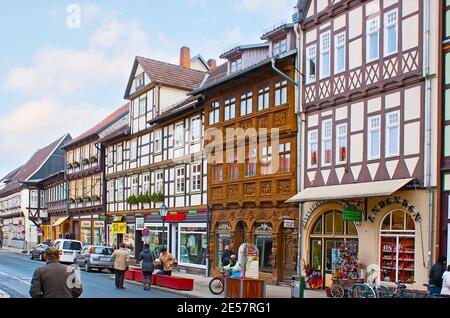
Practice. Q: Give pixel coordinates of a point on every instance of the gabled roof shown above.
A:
(32, 166)
(10, 175)
(166, 74)
(275, 31)
(241, 48)
(201, 59)
(105, 123)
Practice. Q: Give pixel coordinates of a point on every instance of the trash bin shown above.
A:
(298, 287)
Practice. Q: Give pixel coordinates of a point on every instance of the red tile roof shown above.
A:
(100, 126)
(35, 162)
(171, 74)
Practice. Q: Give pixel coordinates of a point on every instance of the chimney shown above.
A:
(185, 57)
(212, 64)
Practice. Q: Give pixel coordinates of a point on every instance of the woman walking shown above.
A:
(147, 259)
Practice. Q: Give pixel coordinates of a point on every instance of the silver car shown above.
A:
(98, 257)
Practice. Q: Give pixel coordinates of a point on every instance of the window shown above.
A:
(397, 247)
(146, 184)
(157, 145)
(214, 115)
(390, 33)
(280, 47)
(133, 151)
(285, 157)
(236, 66)
(266, 161)
(139, 81)
(159, 182)
(246, 104)
(97, 186)
(310, 64)
(230, 109)
(179, 180)
(120, 192)
(325, 55)
(111, 155)
(374, 138)
(217, 173)
(312, 148)
(250, 163)
(339, 53)
(111, 190)
(87, 152)
(233, 169)
(179, 135)
(263, 241)
(142, 106)
(135, 185)
(34, 199)
(196, 177)
(392, 134)
(281, 93)
(42, 203)
(193, 245)
(341, 143)
(196, 127)
(119, 153)
(263, 98)
(372, 39)
(327, 135)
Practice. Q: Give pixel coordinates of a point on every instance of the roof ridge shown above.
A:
(171, 64)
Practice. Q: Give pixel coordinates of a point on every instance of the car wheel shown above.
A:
(86, 267)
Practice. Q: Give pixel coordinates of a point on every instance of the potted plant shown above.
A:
(79, 199)
(69, 165)
(132, 199)
(95, 198)
(76, 164)
(86, 198)
(93, 159)
(85, 161)
(158, 197)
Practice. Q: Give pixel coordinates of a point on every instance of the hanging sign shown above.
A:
(140, 224)
(352, 213)
(119, 228)
(85, 223)
(99, 224)
(289, 224)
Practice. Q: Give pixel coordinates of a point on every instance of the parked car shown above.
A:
(38, 252)
(68, 249)
(98, 257)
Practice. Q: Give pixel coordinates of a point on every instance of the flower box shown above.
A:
(93, 159)
(85, 161)
(76, 164)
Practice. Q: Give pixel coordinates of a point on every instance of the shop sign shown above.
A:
(85, 223)
(98, 224)
(140, 223)
(175, 217)
(396, 200)
(103, 218)
(119, 228)
(352, 214)
(289, 224)
(118, 218)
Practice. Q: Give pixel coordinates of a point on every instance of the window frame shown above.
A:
(370, 130)
(339, 137)
(120, 153)
(214, 114)
(337, 46)
(133, 149)
(236, 65)
(157, 141)
(369, 32)
(179, 143)
(311, 55)
(229, 109)
(134, 190)
(323, 52)
(196, 176)
(327, 139)
(196, 122)
(387, 26)
(264, 97)
(159, 181)
(180, 179)
(246, 101)
(281, 88)
(310, 143)
(389, 126)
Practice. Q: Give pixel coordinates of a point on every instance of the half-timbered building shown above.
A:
(247, 195)
(85, 158)
(161, 161)
(22, 199)
(368, 103)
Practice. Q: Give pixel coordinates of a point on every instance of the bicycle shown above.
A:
(217, 284)
(366, 290)
(402, 291)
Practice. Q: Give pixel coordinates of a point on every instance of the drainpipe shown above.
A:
(299, 113)
(428, 127)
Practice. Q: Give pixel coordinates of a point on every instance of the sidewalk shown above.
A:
(201, 289)
(12, 250)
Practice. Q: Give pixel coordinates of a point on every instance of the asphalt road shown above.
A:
(17, 270)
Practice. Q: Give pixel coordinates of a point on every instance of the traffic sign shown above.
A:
(145, 233)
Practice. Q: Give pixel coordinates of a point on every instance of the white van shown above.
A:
(68, 249)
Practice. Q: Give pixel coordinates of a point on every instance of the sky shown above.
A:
(64, 65)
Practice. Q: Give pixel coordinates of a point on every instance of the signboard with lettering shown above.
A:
(99, 224)
(119, 228)
(85, 223)
(180, 217)
(289, 224)
(352, 214)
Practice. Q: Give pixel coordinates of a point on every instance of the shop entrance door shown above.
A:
(240, 236)
(289, 256)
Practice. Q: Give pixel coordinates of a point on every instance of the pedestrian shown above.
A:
(436, 274)
(446, 282)
(55, 280)
(227, 252)
(121, 264)
(167, 260)
(233, 268)
(148, 260)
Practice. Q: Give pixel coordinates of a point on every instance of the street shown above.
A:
(17, 270)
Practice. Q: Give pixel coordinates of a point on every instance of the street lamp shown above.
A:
(163, 213)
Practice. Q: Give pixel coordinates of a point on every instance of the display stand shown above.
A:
(244, 288)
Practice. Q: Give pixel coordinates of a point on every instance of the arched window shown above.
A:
(328, 233)
(263, 240)
(397, 247)
(223, 238)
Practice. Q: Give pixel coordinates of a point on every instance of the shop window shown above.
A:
(397, 248)
(129, 238)
(318, 227)
(193, 245)
(351, 229)
(329, 223)
(332, 223)
(223, 239)
(156, 238)
(263, 240)
(338, 224)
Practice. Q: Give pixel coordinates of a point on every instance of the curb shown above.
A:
(167, 290)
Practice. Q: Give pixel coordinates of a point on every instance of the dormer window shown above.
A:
(236, 65)
(280, 47)
(139, 81)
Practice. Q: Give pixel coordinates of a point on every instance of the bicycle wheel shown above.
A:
(383, 292)
(216, 286)
(337, 291)
(361, 291)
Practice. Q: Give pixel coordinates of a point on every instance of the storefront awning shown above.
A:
(60, 221)
(350, 191)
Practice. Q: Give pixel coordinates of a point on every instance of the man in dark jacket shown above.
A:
(226, 254)
(436, 273)
(55, 280)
